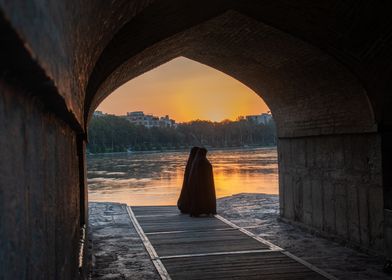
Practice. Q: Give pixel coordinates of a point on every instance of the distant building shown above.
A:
(167, 122)
(99, 114)
(260, 119)
(139, 118)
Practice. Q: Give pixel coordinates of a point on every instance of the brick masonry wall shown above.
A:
(308, 92)
(334, 184)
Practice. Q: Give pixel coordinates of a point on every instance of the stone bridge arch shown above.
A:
(323, 70)
(322, 111)
(299, 82)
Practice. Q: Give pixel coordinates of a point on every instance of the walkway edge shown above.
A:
(149, 248)
(277, 248)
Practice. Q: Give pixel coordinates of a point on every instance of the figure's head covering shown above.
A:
(194, 151)
(183, 201)
(192, 155)
(202, 152)
(201, 186)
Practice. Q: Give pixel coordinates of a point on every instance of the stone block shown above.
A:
(288, 197)
(341, 211)
(363, 210)
(317, 204)
(353, 214)
(307, 201)
(376, 218)
(298, 198)
(329, 207)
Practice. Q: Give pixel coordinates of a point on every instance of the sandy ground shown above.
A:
(118, 252)
(262, 210)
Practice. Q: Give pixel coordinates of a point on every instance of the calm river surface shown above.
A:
(156, 178)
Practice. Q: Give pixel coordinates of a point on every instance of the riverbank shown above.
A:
(119, 253)
(183, 150)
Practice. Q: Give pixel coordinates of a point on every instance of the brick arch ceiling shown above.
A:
(308, 91)
(79, 44)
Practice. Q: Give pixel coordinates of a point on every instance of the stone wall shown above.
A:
(334, 184)
(39, 190)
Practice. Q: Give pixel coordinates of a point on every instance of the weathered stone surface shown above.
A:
(118, 252)
(76, 35)
(39, 191)
(262, 211)
(345, 193)
(318, 106)
(318, 200)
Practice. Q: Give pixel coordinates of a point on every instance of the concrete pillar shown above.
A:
(40, 207)
(333, 183)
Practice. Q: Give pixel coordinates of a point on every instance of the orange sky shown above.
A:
(185, 90)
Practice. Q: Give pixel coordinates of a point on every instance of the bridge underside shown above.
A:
(323, 69)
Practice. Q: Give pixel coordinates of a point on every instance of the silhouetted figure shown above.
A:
(201, 186)
(183, 202)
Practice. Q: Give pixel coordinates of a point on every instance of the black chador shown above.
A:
(201, 186)
(183, 202)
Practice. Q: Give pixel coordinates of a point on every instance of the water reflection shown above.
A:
(156, 178)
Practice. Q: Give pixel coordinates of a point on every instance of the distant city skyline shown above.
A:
(99, 113)
(186, 90)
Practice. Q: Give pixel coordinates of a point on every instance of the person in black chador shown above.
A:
(201, 186)
(183, 202)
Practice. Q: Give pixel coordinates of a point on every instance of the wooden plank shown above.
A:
(154, 210)
(213, 248)
(178, 231)
(180, 223)
(277, 248)
(243, 230)
(215, 254)
(271, 265)
(203, 242)
(149, 248)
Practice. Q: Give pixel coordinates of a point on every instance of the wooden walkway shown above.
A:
(182, 247)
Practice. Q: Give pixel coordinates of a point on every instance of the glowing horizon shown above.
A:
(185, 90)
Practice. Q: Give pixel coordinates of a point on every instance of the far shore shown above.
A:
(183, 150)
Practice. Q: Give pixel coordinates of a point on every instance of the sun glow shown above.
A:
(186, 90)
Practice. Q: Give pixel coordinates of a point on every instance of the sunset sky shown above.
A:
(185, 90)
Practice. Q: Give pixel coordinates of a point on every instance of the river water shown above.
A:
(156, 178)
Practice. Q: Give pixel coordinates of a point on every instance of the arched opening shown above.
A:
(322, 113)
(322, 109)
(146, 153)
(210, 109)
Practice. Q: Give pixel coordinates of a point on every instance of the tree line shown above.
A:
(111, 133)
